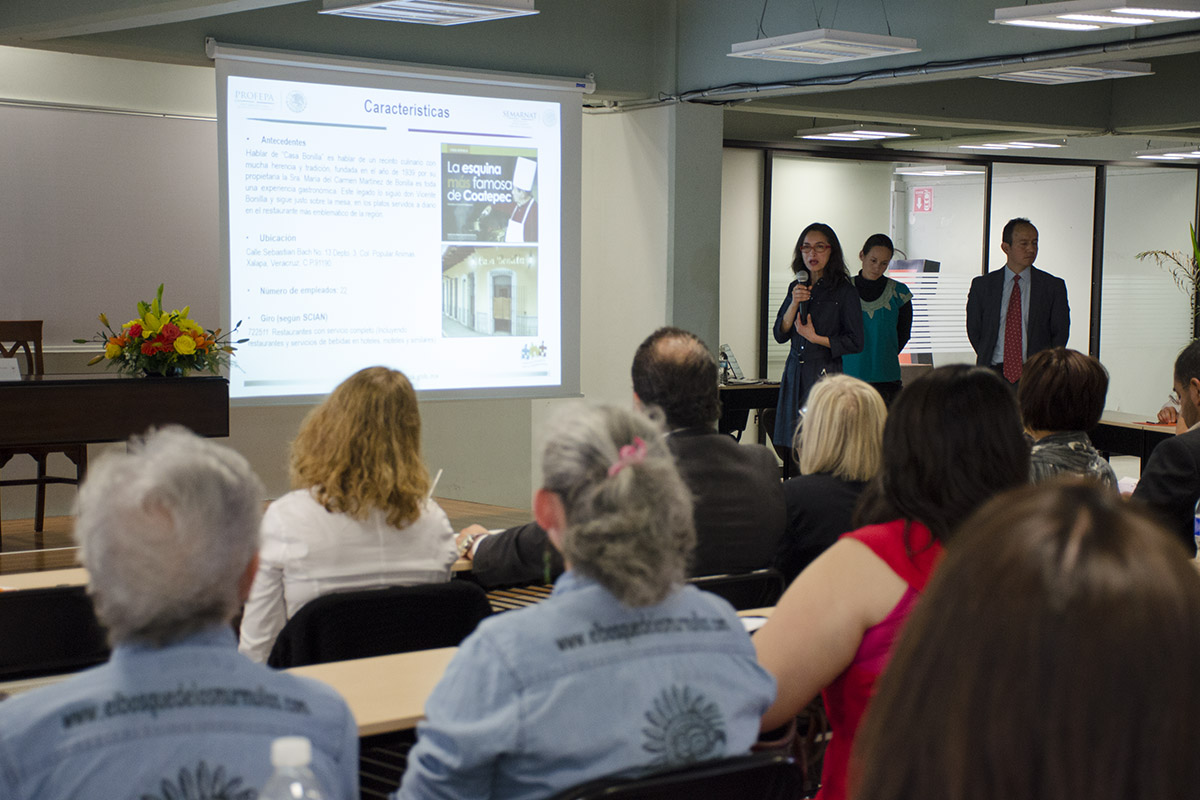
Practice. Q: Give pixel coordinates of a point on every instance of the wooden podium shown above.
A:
(59, 409)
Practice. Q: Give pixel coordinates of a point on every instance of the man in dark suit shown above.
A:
(1038, 308)
(739, 508)
(1170, 483)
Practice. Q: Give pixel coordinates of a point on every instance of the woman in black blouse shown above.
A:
(827, 327)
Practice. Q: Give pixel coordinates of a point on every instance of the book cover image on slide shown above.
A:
(489, 194)
(489, 291)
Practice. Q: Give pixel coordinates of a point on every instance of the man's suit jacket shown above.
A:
(739, 513)
(1049, 316)
(1170, 485)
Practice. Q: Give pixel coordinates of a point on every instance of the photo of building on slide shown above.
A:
(489, 194)
(489, 291)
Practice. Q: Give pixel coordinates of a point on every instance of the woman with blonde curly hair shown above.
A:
(359, 515)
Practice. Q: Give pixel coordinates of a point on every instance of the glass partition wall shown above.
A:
(1145, 318)
(936, 214)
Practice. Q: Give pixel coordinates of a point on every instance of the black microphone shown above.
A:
(804, 278)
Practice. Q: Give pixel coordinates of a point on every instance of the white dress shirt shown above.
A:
(307, 552)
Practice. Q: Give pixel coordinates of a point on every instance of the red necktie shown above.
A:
(1012, 334)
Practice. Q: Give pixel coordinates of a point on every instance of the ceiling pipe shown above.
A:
(1180, 43)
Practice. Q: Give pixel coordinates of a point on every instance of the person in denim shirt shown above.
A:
(169, 532)
(623, 667)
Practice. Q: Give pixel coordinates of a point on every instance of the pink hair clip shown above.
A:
(629, 454)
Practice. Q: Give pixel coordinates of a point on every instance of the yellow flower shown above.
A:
(188, 326)
(185, 345)
(152, 323)
(111, 350)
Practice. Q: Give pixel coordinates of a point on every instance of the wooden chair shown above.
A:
(25, 336)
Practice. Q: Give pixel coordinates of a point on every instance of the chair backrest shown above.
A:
(762, 587)
(758, 776)
(48, 631)
(24, 335)
(376, 622)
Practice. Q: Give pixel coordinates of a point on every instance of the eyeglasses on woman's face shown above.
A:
(819, 248)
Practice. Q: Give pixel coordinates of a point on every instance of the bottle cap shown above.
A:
(291, 751)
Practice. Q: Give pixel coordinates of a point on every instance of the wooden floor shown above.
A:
(21, 550)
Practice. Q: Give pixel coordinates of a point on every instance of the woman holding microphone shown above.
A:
(822, 318)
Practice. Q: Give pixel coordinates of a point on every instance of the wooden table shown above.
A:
(739, 399)
(108, 407)
(461, 513)
(388, 693)
(45, 579)
(1123, 433)
(78, 576)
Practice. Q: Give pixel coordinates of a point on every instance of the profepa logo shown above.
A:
(247, 98)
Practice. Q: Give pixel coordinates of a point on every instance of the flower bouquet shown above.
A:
(167, 343)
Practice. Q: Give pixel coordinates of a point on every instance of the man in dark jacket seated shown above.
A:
(739, 510)
(1170, 482)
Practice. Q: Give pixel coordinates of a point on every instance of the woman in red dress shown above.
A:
(953, 439)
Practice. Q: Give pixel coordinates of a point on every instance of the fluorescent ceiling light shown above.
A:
(824, 46)
(1181, 153)
(1094, 15)
(938, 170)
(1053, 76)
(1009, 146)
(430, 12)
(854, 133)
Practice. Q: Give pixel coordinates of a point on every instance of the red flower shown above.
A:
(170, 332)
(136, 330)
(148, 348)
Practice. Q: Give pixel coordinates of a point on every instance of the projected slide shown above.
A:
(375, 226)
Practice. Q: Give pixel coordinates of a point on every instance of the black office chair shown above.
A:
(757, 589)
(25, 336)
(758, 776)
(49, 631)
(377, 622)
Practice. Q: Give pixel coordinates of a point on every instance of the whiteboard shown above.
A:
(97, 209)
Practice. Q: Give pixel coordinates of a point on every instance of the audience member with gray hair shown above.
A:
(169, 534)
(624, 666)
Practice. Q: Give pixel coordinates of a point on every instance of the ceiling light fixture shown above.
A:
(1094, 15)
(1010, 146)
(938, 170)
(1181, 153)
(854, 133)
(1077, 73)
(430, 12)
(824, 46)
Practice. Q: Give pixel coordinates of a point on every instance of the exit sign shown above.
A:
(923, 199)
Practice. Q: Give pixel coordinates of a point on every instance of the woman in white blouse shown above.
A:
(359, 516)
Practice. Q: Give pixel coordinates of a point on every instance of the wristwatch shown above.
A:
(468, 543)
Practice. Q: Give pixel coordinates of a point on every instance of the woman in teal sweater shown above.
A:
(887, 320)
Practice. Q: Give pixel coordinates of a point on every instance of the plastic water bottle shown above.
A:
(293, 780)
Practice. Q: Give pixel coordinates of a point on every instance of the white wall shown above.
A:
(486, 448)
(741, 267)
